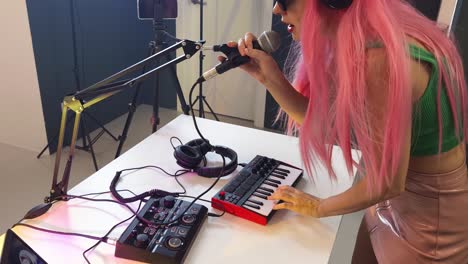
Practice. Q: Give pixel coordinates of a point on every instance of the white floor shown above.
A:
(26, 180)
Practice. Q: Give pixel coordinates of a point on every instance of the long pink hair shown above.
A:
(331, 72)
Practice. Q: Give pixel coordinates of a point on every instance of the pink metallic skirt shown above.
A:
(428, 223)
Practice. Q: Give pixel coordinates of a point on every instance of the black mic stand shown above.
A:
(155, 46)
(92, 95)
(201, 98)
(87, 142)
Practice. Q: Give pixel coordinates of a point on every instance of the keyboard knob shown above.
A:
(222, 195)
(168, 201)
(141, 241)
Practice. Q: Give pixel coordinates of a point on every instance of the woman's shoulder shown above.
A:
(377, 68)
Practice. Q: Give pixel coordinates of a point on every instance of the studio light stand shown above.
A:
(201, 99)
(100, 91)
(87, 142)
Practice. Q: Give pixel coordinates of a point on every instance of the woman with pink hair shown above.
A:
(377, 76)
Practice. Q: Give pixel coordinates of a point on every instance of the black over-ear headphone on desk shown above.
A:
(190, 156)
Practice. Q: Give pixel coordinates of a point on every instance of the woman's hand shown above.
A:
(297, 201)
(261, 66)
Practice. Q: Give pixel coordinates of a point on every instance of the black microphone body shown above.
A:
(234, 59)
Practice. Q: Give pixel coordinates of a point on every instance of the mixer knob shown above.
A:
(188, 219)
(168, 201)
(141, 241)
(174, 243)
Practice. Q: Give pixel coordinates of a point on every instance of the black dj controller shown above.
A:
(169, 238)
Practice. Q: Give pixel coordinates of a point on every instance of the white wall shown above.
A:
(447, 13)
(21, 119)
(233, 93)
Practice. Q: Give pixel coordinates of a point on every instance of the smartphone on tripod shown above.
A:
(146, 9)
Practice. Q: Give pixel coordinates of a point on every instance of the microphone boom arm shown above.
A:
(98, 92)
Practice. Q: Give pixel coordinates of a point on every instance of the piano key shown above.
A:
(266, 189)
(274, 181)
(283, 170)
(268, 205)
(264, 197)
(278, 172)
(255, 202)
(252, 206)
(271, 184)
(278, 176)
(263, 192)
(292, 176)
(265, 209)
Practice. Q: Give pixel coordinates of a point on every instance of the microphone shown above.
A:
(268, 41)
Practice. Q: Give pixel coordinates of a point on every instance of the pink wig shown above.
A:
(331, 72)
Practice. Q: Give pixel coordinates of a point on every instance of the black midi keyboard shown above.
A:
(166, 241)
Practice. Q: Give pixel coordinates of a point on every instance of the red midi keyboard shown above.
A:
(246, 194)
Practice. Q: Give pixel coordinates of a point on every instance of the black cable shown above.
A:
(199, 196)
(108, 233)
(99, 239)
(172, 144)
(156, 193)
(59, 232)
(193, 114)
(206, 201)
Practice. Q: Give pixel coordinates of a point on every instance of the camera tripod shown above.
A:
(201, 99)
(161, 36)
(87, 141)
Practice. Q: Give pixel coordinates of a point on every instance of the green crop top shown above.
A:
(425, 128)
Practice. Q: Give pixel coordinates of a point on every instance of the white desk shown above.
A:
(288, 238)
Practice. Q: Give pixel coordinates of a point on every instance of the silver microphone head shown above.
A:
(269, 41)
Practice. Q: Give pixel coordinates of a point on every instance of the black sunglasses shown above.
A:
(282, 4)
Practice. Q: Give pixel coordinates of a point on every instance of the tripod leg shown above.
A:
(85, 145)
(211, 110)
(86, 134)
(132, 108)
(156, 120)
(201, 110)
(53, 139)
(101, 126)
(180, 94)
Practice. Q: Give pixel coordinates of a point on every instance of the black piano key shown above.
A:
(264, 197)
(271, 184)
(274, 181)
(253, 206)
(266, 189)
(255, 202)
(276, 171)
(262, 192)
(278, 176)
(283, 170)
